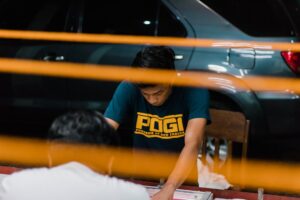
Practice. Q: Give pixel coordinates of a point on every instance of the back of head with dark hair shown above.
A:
(88, 127)
(155, 57)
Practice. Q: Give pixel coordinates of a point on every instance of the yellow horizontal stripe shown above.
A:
(269, 175)
(141, 40)
(158, 136)
(156, 116)
(120, 73)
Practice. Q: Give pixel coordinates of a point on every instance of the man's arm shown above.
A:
(187, 159)
(113, 123)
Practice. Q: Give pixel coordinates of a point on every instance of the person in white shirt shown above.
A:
(73, 180)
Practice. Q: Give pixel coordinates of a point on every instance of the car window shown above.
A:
(293, 7)
(254, 17)
(46, 15)
(132, 17)
(169, 25)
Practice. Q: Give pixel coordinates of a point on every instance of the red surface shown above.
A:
(8, 170)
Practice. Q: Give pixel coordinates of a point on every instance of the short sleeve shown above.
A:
(121, 102)
(197, 100)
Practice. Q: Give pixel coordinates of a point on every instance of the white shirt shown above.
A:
(71, 181)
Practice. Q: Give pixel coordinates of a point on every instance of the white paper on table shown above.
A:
(183, 194)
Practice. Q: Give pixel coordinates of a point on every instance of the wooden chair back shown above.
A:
(230, 126)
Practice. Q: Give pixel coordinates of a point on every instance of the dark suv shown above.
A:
(29, 103)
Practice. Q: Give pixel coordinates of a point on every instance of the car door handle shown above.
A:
(53, 58)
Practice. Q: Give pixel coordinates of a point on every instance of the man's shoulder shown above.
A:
(73, 166)
(65, 180)
(127, 88)
(127, 85)
(190, 91)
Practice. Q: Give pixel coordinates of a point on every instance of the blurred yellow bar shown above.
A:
(142, 40)
(120, 73)
(29, 152)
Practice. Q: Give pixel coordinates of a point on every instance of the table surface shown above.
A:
(229, 194)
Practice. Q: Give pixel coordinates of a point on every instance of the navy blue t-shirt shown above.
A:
(158, 127)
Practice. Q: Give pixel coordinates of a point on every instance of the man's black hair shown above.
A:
(84, 126)
(154, 57)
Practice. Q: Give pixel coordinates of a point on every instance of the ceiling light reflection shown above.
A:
(217, 68)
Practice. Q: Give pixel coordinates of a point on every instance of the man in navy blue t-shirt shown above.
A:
(165, 118)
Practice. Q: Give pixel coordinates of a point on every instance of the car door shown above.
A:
(29, 103)
(134, 17)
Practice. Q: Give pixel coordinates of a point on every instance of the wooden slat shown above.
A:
(227, 124)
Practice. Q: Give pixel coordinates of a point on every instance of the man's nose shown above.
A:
(152, 99)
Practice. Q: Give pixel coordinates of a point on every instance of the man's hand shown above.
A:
(166, 193)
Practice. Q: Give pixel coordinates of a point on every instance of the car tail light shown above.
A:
(293, 60)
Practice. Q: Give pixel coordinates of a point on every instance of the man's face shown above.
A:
(156, 95)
